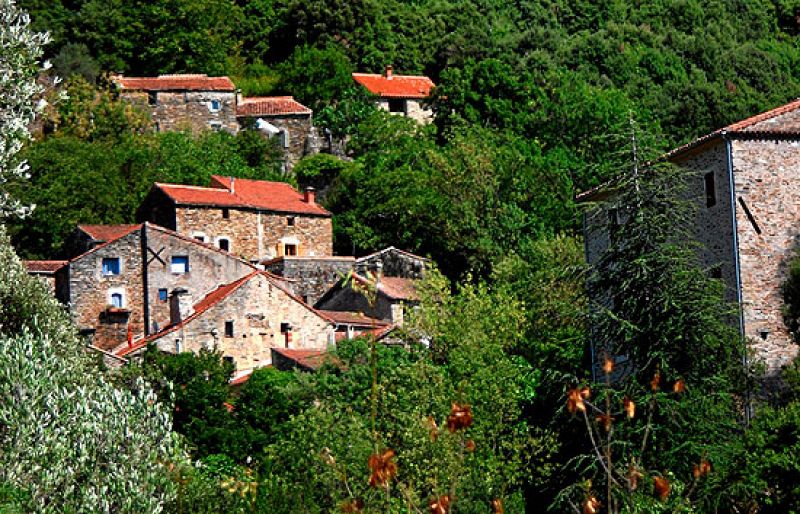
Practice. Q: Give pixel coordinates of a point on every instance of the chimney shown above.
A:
(239, 99)
(180, 305)
(389, 71)
(232, 187)
(378, 271)
(309, 195)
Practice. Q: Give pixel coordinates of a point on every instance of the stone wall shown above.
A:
(258, 310)
(82, 285)
(766, 179)
(414, 109)
(90, 291)
(256, 235)
(208, 268)
(298, 126)
(309, 277)
(393, 263)
(179, 110)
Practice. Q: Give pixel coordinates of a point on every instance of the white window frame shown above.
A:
(215, 125)
(179, 271)
(198, 235)
(211, 107)
(119, 267)
(117, 291)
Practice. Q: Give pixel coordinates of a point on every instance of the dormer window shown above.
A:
(111, 266)
(214, 106)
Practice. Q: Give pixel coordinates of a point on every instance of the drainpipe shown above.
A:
(748, 414)
(145, 284)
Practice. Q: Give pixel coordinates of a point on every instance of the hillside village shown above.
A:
(434, 257)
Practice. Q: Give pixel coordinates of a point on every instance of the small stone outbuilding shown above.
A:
(280, 117)
(404, 95)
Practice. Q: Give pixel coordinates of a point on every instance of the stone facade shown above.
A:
(187, 110)
(296, 129)
(247, 322)
(752, 229)
(393, 263)
(310, 277)
(412, 108)
(88, 282)
(255, 235)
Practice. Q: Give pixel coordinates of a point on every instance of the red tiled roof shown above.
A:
(311, 359)
(352, 318)
(270, 106)
(44, 266)
(106, 233)
(398, 288)
(396, 86)
(245, 193)
(190, 82)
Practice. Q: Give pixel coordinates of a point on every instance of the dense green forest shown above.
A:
(535, 101)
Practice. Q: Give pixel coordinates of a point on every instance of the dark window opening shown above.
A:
(229, 329)
(710, 189)
(162, 295)
(290, 221)
(152, 98)
(229, 360)
(290, 250)
(286, 327)
(226, 213)
(716, 271)
(397, 106)
(202, 239)
(224, 244)
(613, 217)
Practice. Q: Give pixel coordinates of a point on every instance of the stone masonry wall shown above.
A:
(299, 127)
(257, 310)
(90, 291)
(208, 268)
(309, 277)
(258, 235)
(766, 178)
(414, 110)
(394, 263)
(178, 110)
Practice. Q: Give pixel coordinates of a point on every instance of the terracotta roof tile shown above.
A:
(193, 82)
(44, 266)
(399, 288)
(352, 318)
(396, 86)
(311, 359)
(245, 193)
(106, 233)
(270, 106)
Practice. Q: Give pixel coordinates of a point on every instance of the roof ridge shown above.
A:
(394, 76)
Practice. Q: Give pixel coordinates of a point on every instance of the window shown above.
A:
(290, 250)
(715, 271)
(111, 266)
(214, 105)
(216, 126)
(290, 221)
(285, 138)
(224, 244)
(199, 236)
(397, 106)
(229, 360)
(226, 213)
(162, 295)
(152, 98)
(229, 329)
(178, 346)
(180, 264)
(116, 300)
(711, 193)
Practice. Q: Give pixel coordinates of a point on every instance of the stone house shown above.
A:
(280, 117)
(745, 180)
(254, 219)
(176, 102)
(404, 95)
(244, 320)
(118, 291)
